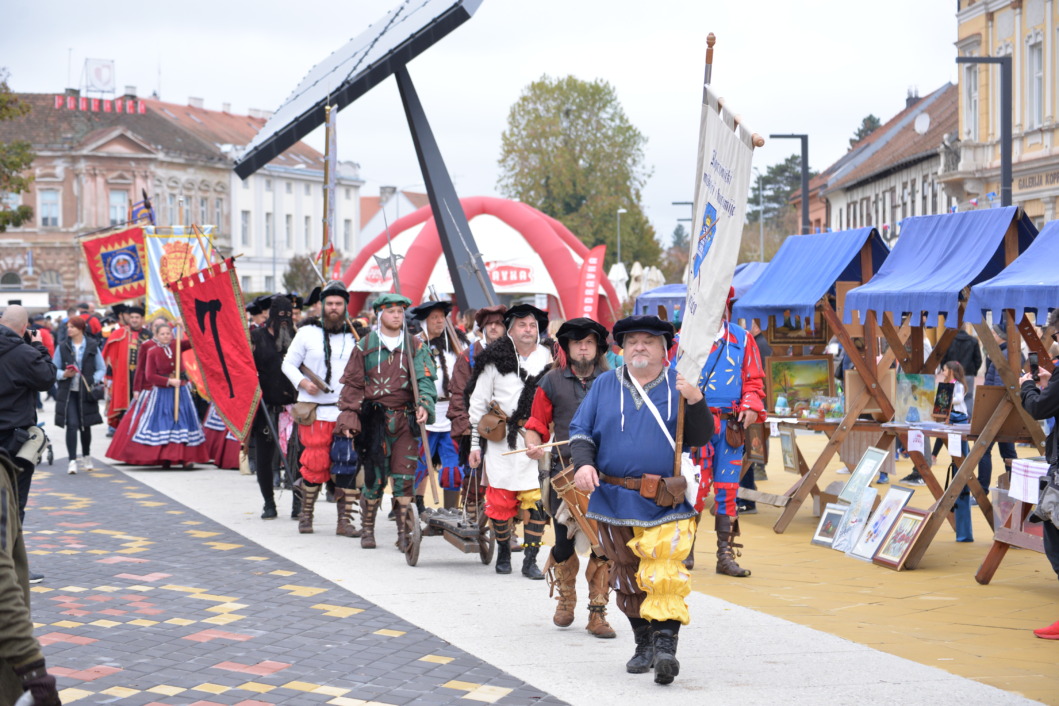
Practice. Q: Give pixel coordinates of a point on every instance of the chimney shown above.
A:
(912, 98)
(259, 114)
(75, 92)
(386, 193)
(130, 92)
(195, 102)
(226, 107)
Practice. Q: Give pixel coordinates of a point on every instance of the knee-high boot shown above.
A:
(598, 575)
(533, 533)
(346, 500)
(305, 519)
(562, 577)
(502, 532)
(727, 550)
(368, 509)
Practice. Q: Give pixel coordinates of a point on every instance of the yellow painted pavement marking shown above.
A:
(256, 558)
(460, 685)
(223, 607)
(68, 696)
(211, 688)
(212, 597)
(223, 546)
(109, 589)
(300, 686)
(40, 589)
(303, 591)
(331, 691)
(73, 589)
(181, 621)
(67, 624)
(256, 687)
(166, 690)
(201, 534)
(223, 619)
(436, 659)
(336, 611)
(143, 623)
(122, 691)
(104, 623)
(389, 633)
(139, 587)
(282, 572)
(191, 522)
(183, 589)
(488, 694)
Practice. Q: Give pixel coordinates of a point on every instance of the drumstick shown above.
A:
(542, 446)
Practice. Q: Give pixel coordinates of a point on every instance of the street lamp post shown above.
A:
(1005, 118)
(620, 211)
(760, 216)
(806, 226)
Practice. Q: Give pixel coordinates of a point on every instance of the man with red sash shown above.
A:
(121, 353)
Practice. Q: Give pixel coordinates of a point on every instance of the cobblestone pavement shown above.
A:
(145, 601)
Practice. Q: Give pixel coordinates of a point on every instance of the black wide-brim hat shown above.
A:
(643, 324)
(520, 311)
(136, 309)
(579, 328)
(422, 311)
(334, 288)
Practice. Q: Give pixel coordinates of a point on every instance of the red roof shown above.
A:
(369, 205)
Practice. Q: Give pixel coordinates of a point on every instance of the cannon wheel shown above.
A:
(486, 538)
(415, 535)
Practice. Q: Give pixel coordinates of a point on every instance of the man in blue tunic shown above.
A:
(622, 440)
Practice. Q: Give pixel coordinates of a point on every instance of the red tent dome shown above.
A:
(525, 252)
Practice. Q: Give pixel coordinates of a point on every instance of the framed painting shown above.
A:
(880, 522)
(830, 520)
(853, 523)
(862, 476)
(914, 401)
(792, 382)
(793, 330)
(756, 444)
(943, 401)
(895, 548)
(788, 451)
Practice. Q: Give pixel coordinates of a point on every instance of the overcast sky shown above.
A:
(813, 66)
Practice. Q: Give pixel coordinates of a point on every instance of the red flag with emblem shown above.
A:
(211, 304)
(116, 263)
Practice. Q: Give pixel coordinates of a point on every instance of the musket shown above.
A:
(413, 381)
(314, 378)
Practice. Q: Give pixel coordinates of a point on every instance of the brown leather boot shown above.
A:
(727, 550)
(598, 575)
(368, 508)
(561, 576)
(346, 500)
(401, 512)
(305, 519)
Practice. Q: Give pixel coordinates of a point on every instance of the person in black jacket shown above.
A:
(1042, 404)
(25, 370)
(79, 365)
(965, 350)
(270, 343)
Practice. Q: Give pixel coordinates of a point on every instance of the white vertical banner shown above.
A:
(173, 252)
(722, 180)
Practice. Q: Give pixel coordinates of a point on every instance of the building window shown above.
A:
(1035, 67)
(268, 230)
(49, 208)
(308, 189)
(204, 210)
(218, 212)
(349, 193)
(347, 235)
(289, 224)
(244, 227)
(245, 279)
(289, 187)
(308, 230)
(270, 283)
(970, 102)
(174, 217)
(10, 280)
(119, 207)
(51, 279)
(268, 185)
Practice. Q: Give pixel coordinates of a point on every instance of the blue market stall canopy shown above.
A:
(673, 296)
(1027, 284)
(935, 258)
(805, 269)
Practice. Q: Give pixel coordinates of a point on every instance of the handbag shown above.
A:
(734, 431)
(493, 424)
(1047, 509)
(674, 489)
(97, 391)
(303, 413)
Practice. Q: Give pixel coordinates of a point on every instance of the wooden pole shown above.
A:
(176, 376)
(678, 451)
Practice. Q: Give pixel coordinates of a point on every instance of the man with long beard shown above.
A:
(442, 350)
(323, 346)
(378, 407)
(583, 343)
(506, 375)
(270, 344)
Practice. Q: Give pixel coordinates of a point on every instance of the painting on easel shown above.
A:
(915, 398)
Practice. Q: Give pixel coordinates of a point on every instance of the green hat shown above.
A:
(389, 299)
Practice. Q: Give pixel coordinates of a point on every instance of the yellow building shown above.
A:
(1026, 30)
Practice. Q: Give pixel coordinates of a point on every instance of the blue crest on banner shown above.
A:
(121, 266)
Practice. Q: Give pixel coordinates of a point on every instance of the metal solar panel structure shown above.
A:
(348, 73)
(383, 50)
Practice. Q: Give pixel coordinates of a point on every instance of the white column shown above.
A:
(1050, 73)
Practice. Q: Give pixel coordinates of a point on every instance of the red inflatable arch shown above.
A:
(551, 240)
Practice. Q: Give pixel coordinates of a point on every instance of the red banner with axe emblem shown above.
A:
(211, 304)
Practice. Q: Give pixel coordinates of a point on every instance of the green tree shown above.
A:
(680, 237)
(15, 158)
(300, 276)
(771, 194)
(570, 151)
(675, 258)
(867, 126)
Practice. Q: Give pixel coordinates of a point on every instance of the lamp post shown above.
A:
(806, 226)
(760, 215)
(1005, 118)
(620, 211)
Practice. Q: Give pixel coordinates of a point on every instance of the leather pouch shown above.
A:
(303, 413)
(734, 431)
(649, 483)
(493, 424)
(671, 491)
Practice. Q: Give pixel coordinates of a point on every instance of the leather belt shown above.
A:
(627, 483)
